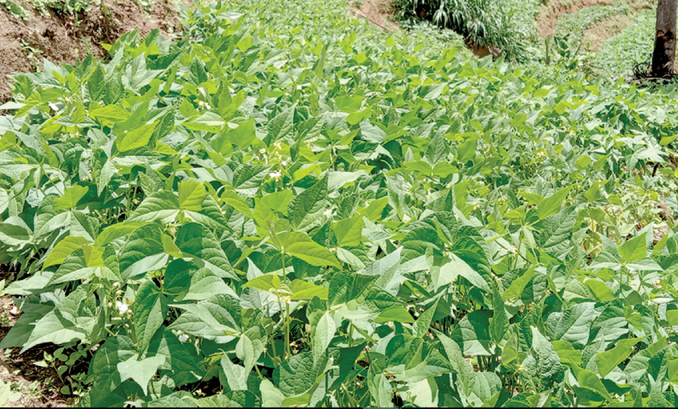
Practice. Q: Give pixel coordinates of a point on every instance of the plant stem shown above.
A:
(287, 330)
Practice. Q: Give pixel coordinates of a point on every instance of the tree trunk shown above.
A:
(665, 41)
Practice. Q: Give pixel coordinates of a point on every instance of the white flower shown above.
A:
(123, 308)
(275, 174)
(284, 163)
(183, 337)
(262, 150)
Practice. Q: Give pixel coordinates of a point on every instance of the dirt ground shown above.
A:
(38, 386)
(378, 12)
(602, 31)
(59, 38)
(552, 10)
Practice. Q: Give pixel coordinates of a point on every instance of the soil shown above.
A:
(63, 39)
(378, 12)
(552, 10)
(38, 386)
(603, 30)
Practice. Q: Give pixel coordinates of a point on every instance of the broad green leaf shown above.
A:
(634, 249)
(6, 394)
(191, 195)
(204, 284)
(302, 290)
(300, 245)
(349, 231)
(140, 371)
(548, 362)
(70, 199)
(142, 252)
(136, 138)
(422, 326)
(235, 374)
(552, 204)
(602, 292)
(266, 282)
(348, 103)
(115, 349)
(306, 209)
(161, 206)
(608, 360)
(500, 321)
(197, 240)
(322, 336)
(379, 387)
(150, 309)
(65, 247)
(395, 313)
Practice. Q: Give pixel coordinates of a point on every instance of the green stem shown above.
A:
(350, 334)
(287, 329)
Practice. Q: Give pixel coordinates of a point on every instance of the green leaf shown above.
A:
(349, 231)
(96, 85)
(161, 206)
(302, 290)
(379, 387)
(142, 252)
(6, 394)
(348, 103)
(235, 374)
(300, 245)
(548, 362)
(552, 204)
(204, 284)
(322, 336)
(602, 292)
(608, 360)
(181, 358)
(395, 313)
(208, 122)
(64, 248)
(305, 209)
(266, 282)
(105, 176)
(296, 375)
(114, 350)
(500, 321)
(422, 326)
(237, 202)
(199, 241)
(191, 195)
(140, 371)
(136, 138)
(634, 249)
(150, 309)
(70, 199)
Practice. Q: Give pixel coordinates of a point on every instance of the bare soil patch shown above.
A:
(379, 12)
(60, 39)
(603, 30)
(39, 386)
(552, 10)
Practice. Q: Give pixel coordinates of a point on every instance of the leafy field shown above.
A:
(291, 207)
(633, 46)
